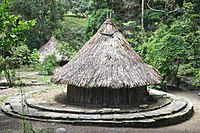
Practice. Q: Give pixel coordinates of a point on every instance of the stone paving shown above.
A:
(38, 104)
(175, 111)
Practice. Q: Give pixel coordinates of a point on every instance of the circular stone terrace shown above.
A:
(167, 110)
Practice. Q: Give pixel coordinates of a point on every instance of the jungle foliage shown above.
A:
(169, 40)
(13, 51)
(47, 14)
(48, 65)
(174, 49)
(166, 36)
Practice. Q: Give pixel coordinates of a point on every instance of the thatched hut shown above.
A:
(107, 71)
(51, 48)
(48, 49)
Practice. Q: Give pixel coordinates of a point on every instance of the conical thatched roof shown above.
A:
(107, 60)
(48, 49)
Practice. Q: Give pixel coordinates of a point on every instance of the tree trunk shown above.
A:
(142, 17)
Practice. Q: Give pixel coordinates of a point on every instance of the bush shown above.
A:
(34, 58)
(67, 50)
(1, 68)
(47, 67)
(196, 81)
(174, 49)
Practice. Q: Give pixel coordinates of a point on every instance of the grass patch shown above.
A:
(28, 77)
(75, 22)
(43, 79)
(4, 98)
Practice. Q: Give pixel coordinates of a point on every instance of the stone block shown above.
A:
(143, 106)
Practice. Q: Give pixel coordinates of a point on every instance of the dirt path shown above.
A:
(191, 126)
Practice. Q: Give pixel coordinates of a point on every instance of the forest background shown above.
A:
(166, 33)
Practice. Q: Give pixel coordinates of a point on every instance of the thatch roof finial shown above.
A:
(109, 14)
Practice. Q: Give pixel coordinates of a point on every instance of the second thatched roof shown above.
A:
(107, 60)
(50, 48)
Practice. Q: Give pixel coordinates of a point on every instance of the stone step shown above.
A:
(156, 121)
(175, 106)
(177, 111)
(31, 103)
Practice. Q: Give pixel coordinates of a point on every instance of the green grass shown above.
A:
(75, 22)
(27, 77)
(42, 79)
(4, 98)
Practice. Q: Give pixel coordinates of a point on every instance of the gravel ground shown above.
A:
(12, 125)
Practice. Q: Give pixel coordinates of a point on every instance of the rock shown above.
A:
(199, 94)
(60, 130)
(3, 81)
(107, 109)
(33, 81)
(143, 106)
(116, 110)
(63, 105)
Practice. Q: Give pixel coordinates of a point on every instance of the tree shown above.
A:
(175, 45)
(122, 11)
(12, 36)
(81, 7)
(142, 18)
(47, 13)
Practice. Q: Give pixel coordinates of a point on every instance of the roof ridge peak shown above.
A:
(108, 28)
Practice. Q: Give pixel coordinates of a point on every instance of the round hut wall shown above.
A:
(106, 96)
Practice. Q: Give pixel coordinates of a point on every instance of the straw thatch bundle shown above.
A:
(107, 61)
(48, 49)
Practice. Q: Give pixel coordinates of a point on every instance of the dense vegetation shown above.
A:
(13, 52)
(166, 33)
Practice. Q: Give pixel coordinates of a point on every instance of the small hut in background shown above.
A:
(50, 48)
(107, 71)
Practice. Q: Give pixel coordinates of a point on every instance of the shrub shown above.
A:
(174, 48)
(196, 81)
(34, 58)
(47, 67)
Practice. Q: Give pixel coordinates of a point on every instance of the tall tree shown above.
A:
(47, 13)
(142, 18)
(175, 46)
(12, 36)
(81, 7)
(122, 11)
